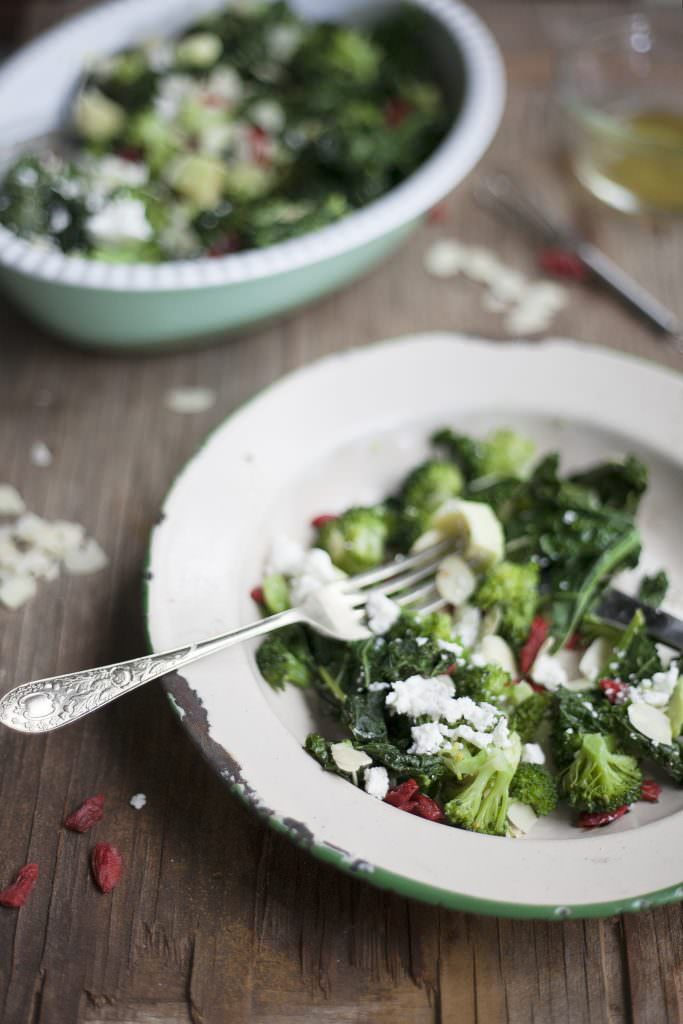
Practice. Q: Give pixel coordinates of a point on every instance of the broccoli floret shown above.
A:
(506, 454)
(481, 803)
(436, 626)
(653, 589)
(601, 777)
(513, 589)
(534, 785)
(489, 683)
(423, 492)
(526, 718)
(284, 657)
(356, 540)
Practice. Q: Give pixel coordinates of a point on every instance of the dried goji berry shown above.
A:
(403, 796)
(452, 669)
(16, 894)
(575, 643)
(427, 808)
(438, 214)
(321, 520)
(259, 144)
(223, 246)
(256, 594)
(650, 791)
(597, 819)
(106, 863)
(537, 637)
(563, 263)
(87, 815)
(397, 110)
(536, 687)
(131, 153)
(612, 689)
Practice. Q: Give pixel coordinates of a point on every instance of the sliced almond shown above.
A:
(348, 759)
(496, 651)
(594, 658)
(652, 722)
(426, 540)
(521, 818)
(455, 581)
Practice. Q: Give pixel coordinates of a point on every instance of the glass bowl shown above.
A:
(622, 91)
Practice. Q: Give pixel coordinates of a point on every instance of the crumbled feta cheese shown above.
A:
(40, 455)
(317, 569)
(376, 782)
(120, 220)
(420, 641)
(138, 801)
(87, 559)
(112, 172)
(27, 177)
(444, 258)
(188, 400)
(60, 218)
(376, 687)
(428, 738)
(172, 91)
(418, 696)
(286, 556)
(382, 613)
(11, 502)
(658, 690)
(666, 654)
(532, 753)
(225, 82)
(17, 590)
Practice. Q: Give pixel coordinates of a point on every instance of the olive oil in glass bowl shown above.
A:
(622, 91)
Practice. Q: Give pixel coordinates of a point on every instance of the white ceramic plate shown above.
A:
(343, 430)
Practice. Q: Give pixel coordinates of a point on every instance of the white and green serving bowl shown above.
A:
(151, 305)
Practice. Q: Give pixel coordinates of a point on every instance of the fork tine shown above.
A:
(398, 567)
(433, 606)
(399, 583)
(419, 593)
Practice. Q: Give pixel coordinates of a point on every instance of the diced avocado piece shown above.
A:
(199, 50)
(98, 118)
(675, 709)
(199, 179)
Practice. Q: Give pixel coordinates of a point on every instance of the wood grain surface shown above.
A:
(217, 919)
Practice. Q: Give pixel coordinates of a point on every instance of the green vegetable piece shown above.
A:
(319, 748)
(489, 683)
(573, 715)
(199, 50)
(506, 454)
(527, 716)
(513, 588)
(356, 540)
(284, 657)
(635, 655)
(424, 490)
(520, 692)
(276, 593)
(534, 785)
(199, 178)
(675, 709)
(354, 55)
(653, 589)
(98, 118)
(618, 485)
(481, 803)
(601, 777)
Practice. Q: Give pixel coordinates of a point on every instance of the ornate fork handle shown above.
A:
(48, 704)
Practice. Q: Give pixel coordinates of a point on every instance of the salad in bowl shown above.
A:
(502, 694)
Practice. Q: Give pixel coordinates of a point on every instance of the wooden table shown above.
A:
(218, 919)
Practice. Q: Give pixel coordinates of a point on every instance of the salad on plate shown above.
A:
(514, 695)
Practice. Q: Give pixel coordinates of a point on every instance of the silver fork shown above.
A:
(337, 610)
